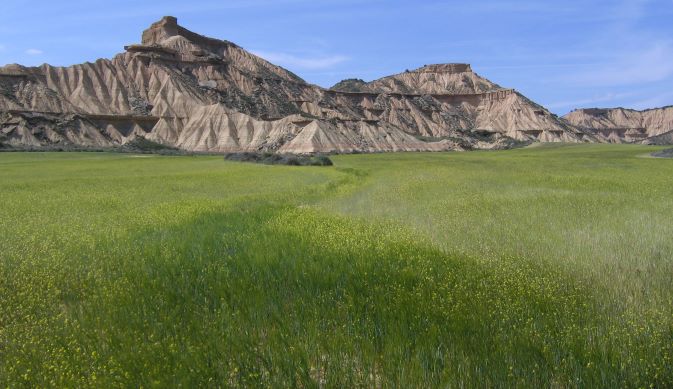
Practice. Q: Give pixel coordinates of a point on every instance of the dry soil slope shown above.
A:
(452, 98)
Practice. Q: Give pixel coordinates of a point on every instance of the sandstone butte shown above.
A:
(200, 94)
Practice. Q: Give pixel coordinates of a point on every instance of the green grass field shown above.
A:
(549, 266)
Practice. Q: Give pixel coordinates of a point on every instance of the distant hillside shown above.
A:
(184, 90)
(620, 124)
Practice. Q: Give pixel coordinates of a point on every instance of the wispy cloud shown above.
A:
(651, 63)
(2, 47)
(87, 10)
(34, 52)
(631, 62)
(593, 100)
(658, 100)
(309, 63)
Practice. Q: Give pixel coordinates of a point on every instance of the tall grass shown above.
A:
(535, 267)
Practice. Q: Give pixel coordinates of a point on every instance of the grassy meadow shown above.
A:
(549, 266)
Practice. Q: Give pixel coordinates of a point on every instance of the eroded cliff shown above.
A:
(202, 94)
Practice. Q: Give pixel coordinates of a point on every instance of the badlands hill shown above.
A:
(196, 93)
(651, 126)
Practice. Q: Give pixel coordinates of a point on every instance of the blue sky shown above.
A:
(562, 54)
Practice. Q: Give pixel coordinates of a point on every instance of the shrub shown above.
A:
(280, 159)
(322, 160)
(668, 153)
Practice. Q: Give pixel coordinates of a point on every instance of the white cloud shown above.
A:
(34, 52)
(650, 64)
(292, 61)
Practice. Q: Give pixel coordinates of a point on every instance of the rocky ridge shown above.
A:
(196, 93)
(618, 125)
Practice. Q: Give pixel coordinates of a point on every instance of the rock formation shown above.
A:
(182, 89)
(617, 125)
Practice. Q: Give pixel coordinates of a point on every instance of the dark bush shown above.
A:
(668, 153)
(280, 159)
(140, 144)
(322, 160)
(292, 161)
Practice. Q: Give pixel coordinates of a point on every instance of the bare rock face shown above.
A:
(196, 93)
(651, 126)
(163, 29)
